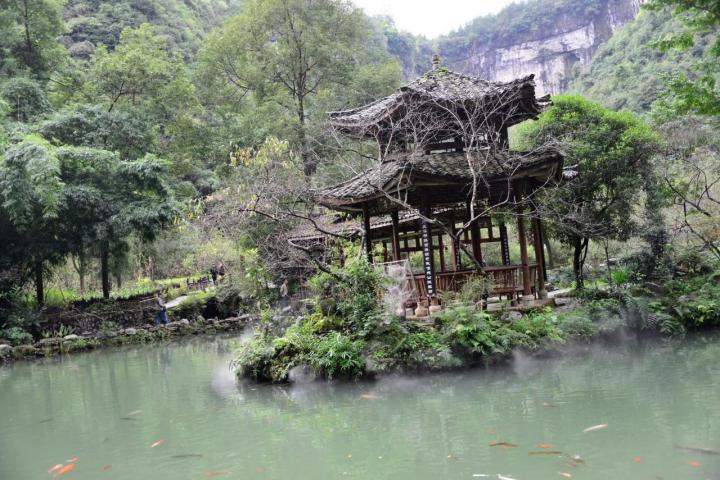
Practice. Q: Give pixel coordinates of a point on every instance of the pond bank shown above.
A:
(47, 347)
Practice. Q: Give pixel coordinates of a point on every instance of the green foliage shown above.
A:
(28, 36)
(352, 294)
(628, 73)
(338, 356)
(16, 336)
(25, 99)
(611, 153)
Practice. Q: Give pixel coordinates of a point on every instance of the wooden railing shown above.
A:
(506, 280)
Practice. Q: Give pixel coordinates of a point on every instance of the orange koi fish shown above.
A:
(66, 469)
(694, 464)
(544, 445)
(637, 459)
(157, 444)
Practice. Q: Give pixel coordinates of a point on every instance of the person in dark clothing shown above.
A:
(161, 313)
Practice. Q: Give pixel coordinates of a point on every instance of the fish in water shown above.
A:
(637, 459)
(127, 418)
(546, 452)
(694, 464)
(66, 469)
(46, 420)
(157, 444)
(188, 455)
(706, 451)
(370, 396)
(55, 468)
(502, 444)
(565, 474)
(595, 428)
(548, 405)
(544, 445)
(133, 413)
(504, 477)
(216, 473)
(260, 470)
(105, 468)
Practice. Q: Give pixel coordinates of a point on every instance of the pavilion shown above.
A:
(445, 171)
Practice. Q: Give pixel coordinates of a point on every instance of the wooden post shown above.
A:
(367, 232)
(441, 249)
(395, 236)
(537, 241)
(427, 249)
(527, 285)
(504, 247)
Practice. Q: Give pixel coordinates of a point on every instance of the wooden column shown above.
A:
(504, 246)
(441, 249)
(367, 232)
(527, 284)
(537, 240)
(395, 236)
(427, 249)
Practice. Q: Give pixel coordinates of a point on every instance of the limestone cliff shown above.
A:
(544, 37)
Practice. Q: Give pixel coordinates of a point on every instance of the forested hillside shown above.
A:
(628, 72)
(90, 23)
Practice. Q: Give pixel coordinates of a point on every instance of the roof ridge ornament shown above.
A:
(435, 61)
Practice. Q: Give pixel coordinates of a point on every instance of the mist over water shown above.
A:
(109, 407)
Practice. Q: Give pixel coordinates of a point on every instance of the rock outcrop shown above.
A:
(551, 54)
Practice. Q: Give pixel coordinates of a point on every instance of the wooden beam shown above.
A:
(395, 235)
(456, 260)
(475, 238)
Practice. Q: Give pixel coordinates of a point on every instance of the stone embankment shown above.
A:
(149, 333)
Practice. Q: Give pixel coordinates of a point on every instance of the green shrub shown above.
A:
(338, 356)
(353, 295)
(16, 336)
(254, 359)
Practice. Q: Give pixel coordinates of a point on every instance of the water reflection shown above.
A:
(109, 407)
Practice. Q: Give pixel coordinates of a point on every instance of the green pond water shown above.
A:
(109, 407)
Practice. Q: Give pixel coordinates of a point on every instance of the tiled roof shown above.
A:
(444, 86)
(442, 167)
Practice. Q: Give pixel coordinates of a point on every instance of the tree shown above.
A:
(108, 200)
(141, 74)
(28, 34)
(697, 95)
(31, 190)
(609, 155)
(290, 52)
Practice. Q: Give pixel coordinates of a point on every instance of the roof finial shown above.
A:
(435, 61)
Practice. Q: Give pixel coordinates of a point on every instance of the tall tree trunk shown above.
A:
(118, 280)
(548, 247)
(39, 284)
(104, 268)
(578, 263)
(28, 40)
(308, 163)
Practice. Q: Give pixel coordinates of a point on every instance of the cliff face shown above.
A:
(549, 46)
